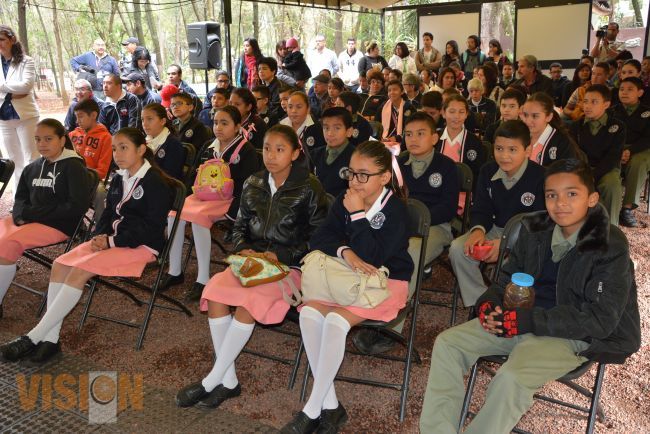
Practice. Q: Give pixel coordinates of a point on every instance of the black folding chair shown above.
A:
(419, 223)
(6, 172)
(189, 166)
(508, 241)
(173, 304)
(377, 129)
(458, 226)
(83, 225)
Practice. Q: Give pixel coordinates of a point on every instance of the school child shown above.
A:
(188, 128)
(284, 94)
(361, 128)
(365, 227)
(509, 107)
(130, 232)
(508, 186)
(218, 100)
(334, 89)
(636, 155)
(456, 142)
(262, 95)
(331, 160)
(601, 137)
(310, 133)
(394, 112)
(253, 127)
(431, 104)
(548, 136)
(431, 178)
(470, 121)
(167, 149)
(484, 108)
(585, 309)
(239, 154)
(280, 208)
(376, 96)
(412, 94)
(91, 139)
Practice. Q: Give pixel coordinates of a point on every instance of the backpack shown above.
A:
(213, 181)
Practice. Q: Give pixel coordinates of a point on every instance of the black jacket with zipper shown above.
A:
(53, 193)
(282, 223)
(596, 298)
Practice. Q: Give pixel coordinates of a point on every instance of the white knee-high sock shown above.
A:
(53, 290)
(203, 245)
(62, 305)
(7, 274)
(311, 329)
(330, 357)
(218, 329)
(238, 334)
(176, 249)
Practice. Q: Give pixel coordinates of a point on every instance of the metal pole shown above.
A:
(382, 27)
(207, 87)
(228, 51)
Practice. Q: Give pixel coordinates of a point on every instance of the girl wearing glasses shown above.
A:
(365, 227)
(279, 210)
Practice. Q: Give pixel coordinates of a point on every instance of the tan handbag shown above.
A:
(330, 279)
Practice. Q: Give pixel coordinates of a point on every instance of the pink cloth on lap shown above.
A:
(116, 261)
(14, 240)
(203, 212)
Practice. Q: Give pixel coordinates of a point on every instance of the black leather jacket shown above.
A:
(282, 223)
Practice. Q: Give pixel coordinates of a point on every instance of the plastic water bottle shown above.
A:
(519, 292)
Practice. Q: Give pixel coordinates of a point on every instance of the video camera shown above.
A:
(601, 32)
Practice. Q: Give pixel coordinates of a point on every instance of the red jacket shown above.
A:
(95, 146)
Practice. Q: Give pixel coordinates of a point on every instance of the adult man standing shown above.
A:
(175, 77)
(349, 65)
(96, 62)
(532, 79)
(428, 57)
(223, 82)
(322, 58)
(607, 46)
(135, 85)
(559, 83)
(130, 44)
(127, 105)
(107, 113)
(472, 57)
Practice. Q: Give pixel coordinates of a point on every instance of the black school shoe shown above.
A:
(168, 281)
(370, 342)
(301, 424)
(194, 294)
(331, 421)
(190, 395)
(17, 349)
(626, 218)
(43, 353)
(220, 394)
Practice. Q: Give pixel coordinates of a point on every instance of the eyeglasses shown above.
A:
(222, 81)
(362, 178)
(176, 104)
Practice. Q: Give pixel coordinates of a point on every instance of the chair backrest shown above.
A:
(6, 172)
(93, 183)
(189, 166)
(330, 200)
(377, 129)
(489, 150)
(466, 180)
(508, 240)
(179, 193)
(418, 226)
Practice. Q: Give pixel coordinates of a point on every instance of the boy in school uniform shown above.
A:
(262, 96)
(218, 100)
(361, 128)
(330, 160)
(636, 155)
(483, 108)
(91, 139)
(601, 137)
(189, 129)
(431, 104)
(431, 178)
(585, 309)
(509, 106)
(507, 186)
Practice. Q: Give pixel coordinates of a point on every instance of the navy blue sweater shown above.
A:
(493, 204)
(637, 127)
(384, 242)
(603, 150)
(559, 147)
(329, 175)
(472, 153)
(361, 130)
(170, 157)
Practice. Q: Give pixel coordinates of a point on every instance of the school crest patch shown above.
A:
(435, 180)
(138, 193)
(527, 199)
(342, 172)
(407, 113)
(310, 141)
(613, 128)
(378, 220)
(645, 114)
(189, 133)
(471, 155)
(266, 119)
(161, 153)
(355, 133)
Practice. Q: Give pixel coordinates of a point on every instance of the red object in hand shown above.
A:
(481, 252)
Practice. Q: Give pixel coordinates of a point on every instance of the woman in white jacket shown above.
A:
(402, 59)
(18, 109)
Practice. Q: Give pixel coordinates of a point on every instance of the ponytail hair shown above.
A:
(548, 106)
(161, 113)
(59, 130)
(383, 158)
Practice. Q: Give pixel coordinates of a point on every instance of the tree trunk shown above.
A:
(154, 33)
(49, 51)
(638, 18)
(195, 8)
(256, 21)
(338, 32)
(137, 18)
(98, 28)
(210, 6)
(125, 22)
(59, 54)
(22, 25)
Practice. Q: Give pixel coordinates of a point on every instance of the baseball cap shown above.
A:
(134, 76)
(131, 40)
(321, 78)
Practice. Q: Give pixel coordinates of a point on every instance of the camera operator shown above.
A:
(607, 46)
(94, 65)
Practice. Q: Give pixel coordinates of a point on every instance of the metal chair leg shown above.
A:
(595, 398)
(454, 303)
(305, 381)
(296, 365)
(91, 293)
(468, 395)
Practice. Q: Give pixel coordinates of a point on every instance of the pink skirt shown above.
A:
(203, 212)
(264, 302)
(387, 310)
(14, 240)
(116, 261)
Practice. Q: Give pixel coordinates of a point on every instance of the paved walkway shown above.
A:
(57, 398)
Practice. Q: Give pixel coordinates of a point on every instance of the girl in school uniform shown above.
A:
(51, 196)
(365, 227)
(280, 209)
(167, 149)
(393, 113)
(130, 233)
(253, 127)
(231, 146)
(548, 137)
(310, 132)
